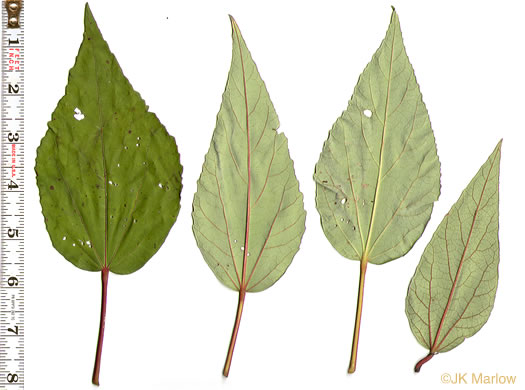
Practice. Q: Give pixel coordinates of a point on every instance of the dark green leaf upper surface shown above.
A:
(378, 174)
(248, 213)
(452, 292)
(108, 172)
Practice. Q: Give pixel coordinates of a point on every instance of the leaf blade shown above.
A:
(450, 297)
(248, 173)
(379, 162)
(99, 144)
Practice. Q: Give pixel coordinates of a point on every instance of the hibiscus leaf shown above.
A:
(248, 214)
(108, 172)
(452, 292)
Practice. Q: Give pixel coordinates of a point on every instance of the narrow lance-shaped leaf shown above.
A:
(107, 170)
(378, 174)
(452, 292)
(248, 214)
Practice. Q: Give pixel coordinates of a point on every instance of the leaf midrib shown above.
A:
(248, 194)
(365, 255)
(101, 128)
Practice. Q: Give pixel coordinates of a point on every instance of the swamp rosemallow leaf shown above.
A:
(108, 172)
(248, 213)
(452, 292)
(378, 174)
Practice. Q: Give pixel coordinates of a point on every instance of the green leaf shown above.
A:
(452, 292)
(248, 214)
(378, 174)
(108, 172)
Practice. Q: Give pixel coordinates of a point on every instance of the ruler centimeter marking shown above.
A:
(12, 329)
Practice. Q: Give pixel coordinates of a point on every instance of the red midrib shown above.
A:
(105, 201)
(248, 196)
(434, 346)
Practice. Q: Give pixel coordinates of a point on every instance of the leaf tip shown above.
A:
(394, 19)
(233, 22)
(394, 16)
(497, 149)
(87, 12)
(91, 29)
(236, 31)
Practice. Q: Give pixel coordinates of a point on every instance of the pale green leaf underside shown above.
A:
(378, 174)
(108, 172)
(452, 292)
(248, 163)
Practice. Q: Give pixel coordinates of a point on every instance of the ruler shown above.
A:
(12, 198)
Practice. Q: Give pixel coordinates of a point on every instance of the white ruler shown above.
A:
(12, 198)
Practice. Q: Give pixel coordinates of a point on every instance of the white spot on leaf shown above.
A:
(78, 114)
(367, 113)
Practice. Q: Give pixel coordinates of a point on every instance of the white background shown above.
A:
(169, 325)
